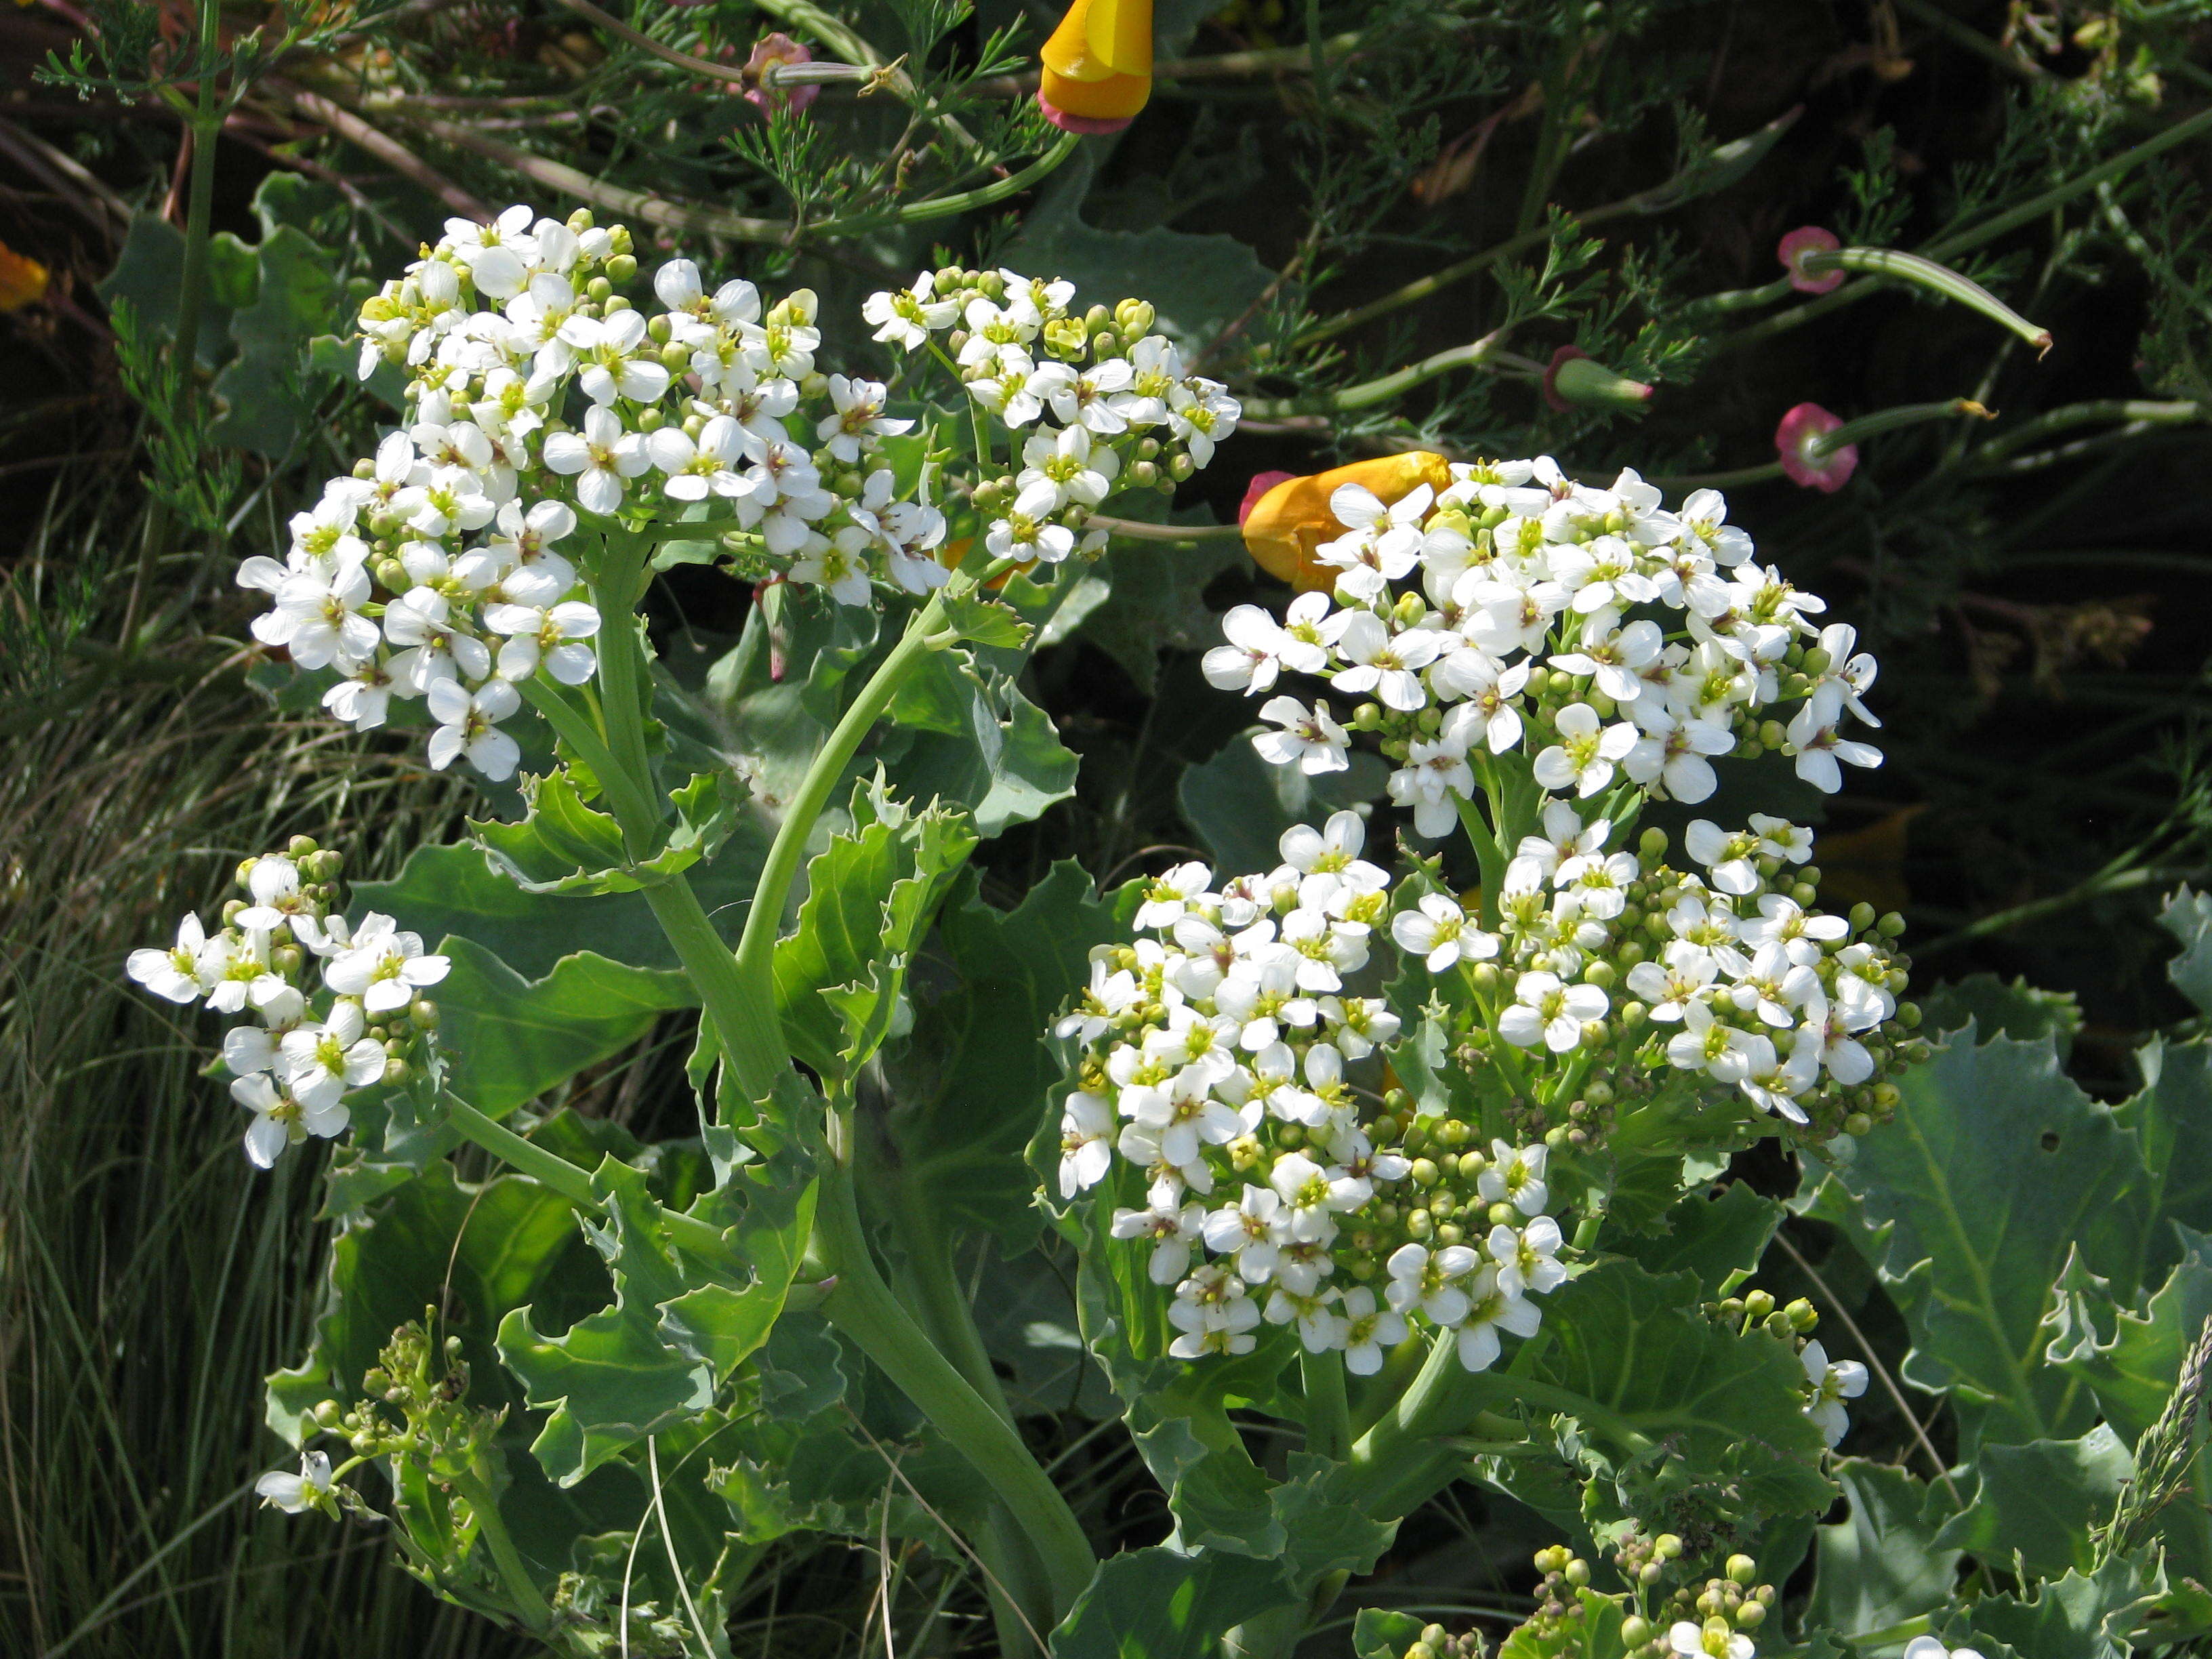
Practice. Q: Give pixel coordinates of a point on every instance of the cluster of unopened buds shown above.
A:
(305, 1051)
(1514, 609)
(1226, 1066)
(542, 399)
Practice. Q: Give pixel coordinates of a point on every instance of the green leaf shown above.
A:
(1383, 1633)
(727, 1323)
(511, 1039)
(2039, 1501)
(2133, 1373)
(264, 392)
(1998, 1008)
(1591, 1629)
(1216, 277)
(973, 1078)
(1239, 805)
(1158, 1604)
(614, 1377)
(149, 276)
(476, 1252)
(2188, 917)
(1880, 1564)
(564, 846)
(1731, 1405)
(985, 622)
(870, 896)
(1327, 1528)
(1968, 1204)
(1719, 1238)
(2172, 1118)
(2080, 1616)
(986, 747)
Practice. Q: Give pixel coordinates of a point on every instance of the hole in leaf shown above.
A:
(2049, 1141)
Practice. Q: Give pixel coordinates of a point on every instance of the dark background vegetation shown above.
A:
(2042, 627)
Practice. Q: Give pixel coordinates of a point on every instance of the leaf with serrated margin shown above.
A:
(1719, 1238)
(870, 896)
(614, 1377)
(1638, 1345)
(1968, 1203)
(725, 1323)
(2188, 917)
(2038, 1501)
(1880, 1564)
(2079, 1616)
(2133, 1374)
(1159, 1603)
(564, 846)
(973, 1077)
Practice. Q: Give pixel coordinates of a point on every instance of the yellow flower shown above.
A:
(1097, 65)
(1286, 518)
(22, 280)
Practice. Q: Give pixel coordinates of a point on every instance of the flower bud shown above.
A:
(1667, 1547)
(1803, 1316)
(1652, 844)
(1858, 1123)
(1576, 379)
(395, 1072)
(1757, 1305)
(424, 1013)
(1750, 1616)
(1134, 317)
(1741, 1569)
(1891, 925)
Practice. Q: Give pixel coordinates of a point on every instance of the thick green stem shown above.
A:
(862, 1306)
(530, 1603)
(945, 1315)
(1328, 1415)
(572, 1180)
(757, 1063)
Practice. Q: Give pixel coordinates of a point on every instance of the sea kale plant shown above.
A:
(1330, 1185)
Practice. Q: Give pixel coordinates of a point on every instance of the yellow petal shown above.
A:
(22, 279)
(1287, 524)
(1121, 35)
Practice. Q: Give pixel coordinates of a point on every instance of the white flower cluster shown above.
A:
(1218, 1067)
(542, 399)
(1753, 987)
(1601, 636)
(295, 1073)
(1128, 413)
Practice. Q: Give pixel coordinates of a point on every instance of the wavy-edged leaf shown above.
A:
(2133, 1371)
(2188, 917)
(870, 896)
(1969, 1202)
(562, 845)
(2079, 1616)
(1719, 1238)
(616, 1377)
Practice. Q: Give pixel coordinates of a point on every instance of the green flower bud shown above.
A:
(1803, 1316)
(1741, 1569)
(1757, 1305)
(1891, 925)
(1425, 1172)
(1858, 1123)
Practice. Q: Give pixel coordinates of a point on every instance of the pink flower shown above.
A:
(1792, 250)
(1260, 484)
(772, 51)
(1803, 462)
